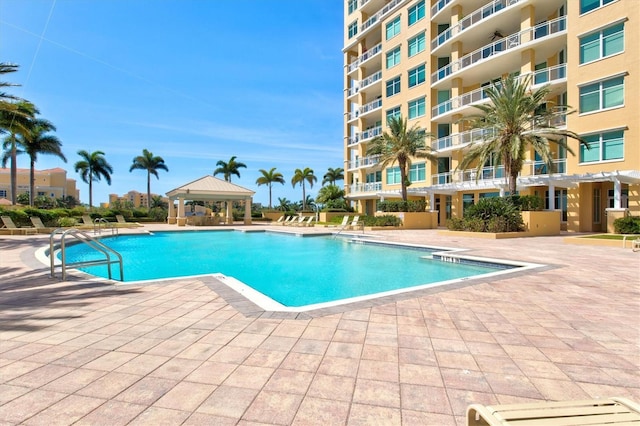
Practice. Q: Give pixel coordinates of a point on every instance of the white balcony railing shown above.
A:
(547, 75)
(458, 139)
(378, 16)
(364, 109)
(362, 136)
(365, 187)
(510, 42)
(468, 21)
(364, 162)
(441, 4)
(365, 57)
(540, 168)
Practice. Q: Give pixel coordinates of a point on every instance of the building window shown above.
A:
(601, 44)
(353, 29)
(602, 95)
(393, 28)
(603, 146)
(417, 44)
(589, 5)
(467, 201)
(393, 175)
(3, 193)
(417, 76)
(393, 57)
(417, 108)
(393, 113)
(393, 86)
(353, 5)
(416, 12)
(418, 172)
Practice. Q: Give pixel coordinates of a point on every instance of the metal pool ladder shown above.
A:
(111, 256)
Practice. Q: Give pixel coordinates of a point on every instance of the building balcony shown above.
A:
(363, 162)
(538, 168)
(374, 51)
(366, 109)
(457, 140)
(379, 16)
(552, 75)
(478, 16)
(531, 37)
(362, 188)
(363, 136)
(439, 7)
(365, 84)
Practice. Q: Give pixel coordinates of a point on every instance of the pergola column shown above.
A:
(247, 210)
(171, 219)
(229, 220)
(552, 197)
(181, 219)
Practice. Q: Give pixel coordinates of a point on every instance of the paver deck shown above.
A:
(181, 352)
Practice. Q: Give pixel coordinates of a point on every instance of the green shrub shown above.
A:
(455, 224)
(158, 214)
(527, 202)
(627, 225)
(494, 214)
(402, 206)
(66, 222)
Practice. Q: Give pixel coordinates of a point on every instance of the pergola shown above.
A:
(209, 188)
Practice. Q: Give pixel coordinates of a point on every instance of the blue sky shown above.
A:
(193, 81)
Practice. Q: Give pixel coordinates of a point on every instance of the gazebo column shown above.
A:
(181, 219)
(229, 220)
(171, 219)
(247, 210)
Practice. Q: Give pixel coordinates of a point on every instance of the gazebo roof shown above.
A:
(210, 188)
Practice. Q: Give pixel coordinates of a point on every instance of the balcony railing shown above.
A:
(441, 4)
(469, 175)
(364, 162)
(367, 134)
(379, 15)
(546, 75)
(510, 42)
(540, 168)
(365, 56)
(477, 16)
(365, 109)
(368, 81)
(442, 178)
(458, 139)
(365, 187)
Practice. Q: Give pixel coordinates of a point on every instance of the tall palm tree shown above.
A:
(228, 169)
(93, 167)
(333, 175)
(147, 161)
(269, 178)
(515, 121)
(7, 100)
(37, 141)
(16, 120)
(399, 145)
(300, 177)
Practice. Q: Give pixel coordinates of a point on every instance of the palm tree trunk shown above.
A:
(269, 196)
(403, 179)
(32, 181)
(304, 197)
(148, 190)
(90, 192)
(14, 170)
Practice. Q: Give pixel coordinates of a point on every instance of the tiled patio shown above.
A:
(84, 352)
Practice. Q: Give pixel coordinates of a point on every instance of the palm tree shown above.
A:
(92, 168)
(514, 122)
(399, 145)
(300, 177)
(329, 193)
(7, 100)
(147, 161)
(228, 169)
(269, 178)
(333, 175)
(284, 204)
(37, 141)
(17, 121)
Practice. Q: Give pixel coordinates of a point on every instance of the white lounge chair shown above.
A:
(345, 221)
(280, 219)
(355, 223)
(306, 221)
(296, 222)
(37, 223)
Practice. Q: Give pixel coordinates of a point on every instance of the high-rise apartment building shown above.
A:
(431, 61)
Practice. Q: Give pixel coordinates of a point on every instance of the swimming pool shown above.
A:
(294, 272)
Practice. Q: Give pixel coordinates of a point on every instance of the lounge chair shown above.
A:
(296, 222)
(306, 221)
(309, 221)
(37, 223)
(583, 412)
(280, 219)
(8, 224)
(86, 220)
(345, 221)
(355, 223)
(286, 220)
(121, 221)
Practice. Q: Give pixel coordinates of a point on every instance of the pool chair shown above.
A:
(287, 220)
(37, 223)
(14, 229)
(345, 221)
(280, 220)
(356, 224)
(296, 221)
(583, 412)
(123, 222)
(86, 220)
(306, 221)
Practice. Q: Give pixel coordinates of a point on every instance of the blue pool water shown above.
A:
(291, 270)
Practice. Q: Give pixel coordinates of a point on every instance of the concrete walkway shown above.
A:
(85, 352)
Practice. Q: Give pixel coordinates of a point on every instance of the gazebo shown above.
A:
(209, 188)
